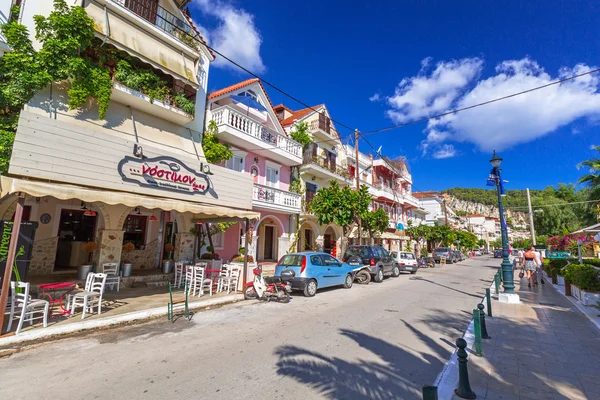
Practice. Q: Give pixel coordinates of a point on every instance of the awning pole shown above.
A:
(244, 281)
(10, 259)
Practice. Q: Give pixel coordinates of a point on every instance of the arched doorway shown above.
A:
(309, 232)
(329, 241)
(269, 229)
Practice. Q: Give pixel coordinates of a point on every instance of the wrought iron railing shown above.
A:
(267, 194)
(226, 115)
(164, 20)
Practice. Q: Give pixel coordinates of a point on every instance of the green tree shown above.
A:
(592, 177)
(468, 240)
(300, 134)
(215, 151)
(375, 221)
(418, 233)
(481, 243)
(341, 206)
(497, 243)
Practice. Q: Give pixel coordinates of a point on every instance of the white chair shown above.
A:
(223, 276)
(179, 274)
(199, 282)
(22, 304)
(88, 287)
(230, 282)
(112, 275)
(88, 299)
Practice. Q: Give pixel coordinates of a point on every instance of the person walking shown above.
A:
(530, 265)
(539, 259)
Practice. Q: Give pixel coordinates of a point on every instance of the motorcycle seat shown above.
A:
(273, 279)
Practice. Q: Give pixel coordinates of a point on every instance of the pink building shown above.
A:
(246, 121)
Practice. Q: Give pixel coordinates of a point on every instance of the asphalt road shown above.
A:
(376, 341)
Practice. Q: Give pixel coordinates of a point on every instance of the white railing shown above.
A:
(267, 194)
(226, 115)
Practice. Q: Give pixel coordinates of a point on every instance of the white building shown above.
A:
(433, 203)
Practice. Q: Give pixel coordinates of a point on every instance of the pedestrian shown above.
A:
(530, 265)
(539, 259)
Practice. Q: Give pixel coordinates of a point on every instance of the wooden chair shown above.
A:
(172, 303)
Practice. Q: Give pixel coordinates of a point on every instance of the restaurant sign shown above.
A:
(166, 173)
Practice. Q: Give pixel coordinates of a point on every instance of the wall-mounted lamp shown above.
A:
(256, 160)
(138, 151)
(138, 212)
(205, 168)
(37, 200)
(152, 218)
(87, 212)
(314, 177)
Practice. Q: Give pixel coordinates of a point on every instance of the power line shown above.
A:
(480, 104)
(556, 205)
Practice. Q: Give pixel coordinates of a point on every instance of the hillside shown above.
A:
(556, 213)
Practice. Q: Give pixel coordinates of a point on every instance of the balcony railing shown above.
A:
(164, 20)
(226, 115)
(267, 194)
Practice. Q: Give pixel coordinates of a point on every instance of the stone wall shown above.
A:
(111, 246)
(146, 258)
(43, 256)
(184, 247)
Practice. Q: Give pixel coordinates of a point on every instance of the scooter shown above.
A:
(423, 262)
(362, 274)
(277, 287)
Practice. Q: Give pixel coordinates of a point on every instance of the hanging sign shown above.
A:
(20, 266)
(166, 173)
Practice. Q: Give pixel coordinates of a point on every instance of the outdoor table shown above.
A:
(215, 275)
(56, 292)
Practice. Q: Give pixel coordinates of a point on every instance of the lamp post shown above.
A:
(509, 295)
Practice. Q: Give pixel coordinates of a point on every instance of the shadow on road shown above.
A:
(418, 278)
(390, 377)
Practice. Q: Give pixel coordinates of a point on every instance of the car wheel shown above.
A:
(348, 281)
(396, 271)
(311, 288)
(413, 272)
(379, 276)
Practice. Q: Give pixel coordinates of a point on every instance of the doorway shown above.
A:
(269, 242)
(75, 229)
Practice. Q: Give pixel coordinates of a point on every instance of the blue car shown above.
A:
(315, 270)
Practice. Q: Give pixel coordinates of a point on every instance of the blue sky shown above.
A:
(389, 62)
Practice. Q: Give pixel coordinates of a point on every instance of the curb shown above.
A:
(114, 320)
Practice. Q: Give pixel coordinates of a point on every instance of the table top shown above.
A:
(57, 285)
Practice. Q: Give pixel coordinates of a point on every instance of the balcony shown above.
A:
(384, 191)
(322, 168)
(275, 199)
(246, 133)
(323, 126)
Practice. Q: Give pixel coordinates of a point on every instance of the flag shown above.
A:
(491, 179)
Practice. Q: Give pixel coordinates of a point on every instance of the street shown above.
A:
(376, 341)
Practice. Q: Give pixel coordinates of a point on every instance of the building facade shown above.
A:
(263, 151)
(437, 211)
(137, 176)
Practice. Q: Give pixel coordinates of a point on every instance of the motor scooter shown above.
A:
(423, 262)
(275, 287)
(362, 273)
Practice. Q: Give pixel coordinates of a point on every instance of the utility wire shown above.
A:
(555, 205)
(480, 104)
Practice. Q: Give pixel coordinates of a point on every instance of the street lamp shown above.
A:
(509, 295)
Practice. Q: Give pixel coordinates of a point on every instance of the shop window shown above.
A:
(218, 240)
(135, 230)
(26, 214)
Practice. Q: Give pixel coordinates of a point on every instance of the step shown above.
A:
(156, 283)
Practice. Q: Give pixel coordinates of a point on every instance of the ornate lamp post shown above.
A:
(509, 295)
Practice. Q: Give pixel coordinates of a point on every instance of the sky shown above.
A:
(387, 62)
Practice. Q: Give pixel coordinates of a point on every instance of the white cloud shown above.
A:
(499, 125)
(445, 151)
(375, 97)
(235, 36)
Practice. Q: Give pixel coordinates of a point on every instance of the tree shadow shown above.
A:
(395, 375)
(418, 278)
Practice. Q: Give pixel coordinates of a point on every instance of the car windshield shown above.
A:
(441, 250)
(362, 252)
(407, 256)
(291, 260)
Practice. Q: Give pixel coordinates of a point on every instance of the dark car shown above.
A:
(498, 253)
(379, 261)
(447, 252)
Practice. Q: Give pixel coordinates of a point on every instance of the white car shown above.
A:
(405, 260)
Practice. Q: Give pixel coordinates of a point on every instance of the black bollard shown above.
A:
(484, 334)
(464, 387)
(430, 392)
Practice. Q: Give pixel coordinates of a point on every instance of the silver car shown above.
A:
(406, 261)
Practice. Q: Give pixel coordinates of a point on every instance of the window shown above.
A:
(250, 93)
(330, 261)
(316, 260)
(218, 239)
(311, 190)
(135, 230)
(235, 163)
(272, 177)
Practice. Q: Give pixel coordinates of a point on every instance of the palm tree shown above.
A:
(592, 178)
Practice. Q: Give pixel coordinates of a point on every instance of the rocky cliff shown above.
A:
(518, 218)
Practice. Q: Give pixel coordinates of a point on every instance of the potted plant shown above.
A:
(240, 259)
(168, 260)
(84, 270)
(127, 265)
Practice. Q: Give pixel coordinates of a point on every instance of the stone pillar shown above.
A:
(283, 243)
(111, 246)
(319, 243)
(184, 246)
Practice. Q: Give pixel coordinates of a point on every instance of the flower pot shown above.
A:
(127, 268)
(83, 271)
(167, 266)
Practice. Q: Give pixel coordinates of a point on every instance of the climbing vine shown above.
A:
(214, 151)
(300, 134)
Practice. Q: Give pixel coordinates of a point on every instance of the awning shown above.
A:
(61, 191)
(378, 235)
(590, 229)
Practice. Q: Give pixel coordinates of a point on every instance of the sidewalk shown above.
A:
(544, 348)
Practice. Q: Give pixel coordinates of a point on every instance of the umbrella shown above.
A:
(249, 101)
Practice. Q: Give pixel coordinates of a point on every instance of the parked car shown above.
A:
(405, 260)
(478, 252)
(444, 252)
(377, 258)
(458, 256)
(498, 253)
(315, 270)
